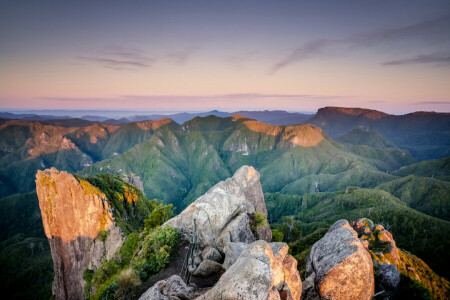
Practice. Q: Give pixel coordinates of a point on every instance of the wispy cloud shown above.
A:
(441, 59)
(180, 57)
(119, 58)
(435, 31)
(432, 102)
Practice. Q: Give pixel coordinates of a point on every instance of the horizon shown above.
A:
(229, 56)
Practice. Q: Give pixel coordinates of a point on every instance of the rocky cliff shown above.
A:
(79, 226)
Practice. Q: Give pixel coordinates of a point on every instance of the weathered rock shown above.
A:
(237, 231)
(388, 278)
(215, 211)
(339, 266)
(73, 214)
(212, 254)
(262, 271)
(173, 288)
(362, 223)
(207, 267)
(232, 252)
(134, 180)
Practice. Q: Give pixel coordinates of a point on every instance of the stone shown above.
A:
(219, 211)
(238, 231)
(339, 267)
(173, 288)
(212, 254)
(134, 180)
(262, 271)
(388, 278)
(73, 214)
(232, 252)
(207, 267)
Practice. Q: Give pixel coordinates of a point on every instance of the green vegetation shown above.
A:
(422, 235)
(428, 195)
(257, 220)
(437, 169)
(142, 256)
(359, 136)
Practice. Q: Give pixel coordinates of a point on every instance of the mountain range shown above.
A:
(339, 163)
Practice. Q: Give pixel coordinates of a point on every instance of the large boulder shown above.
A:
(339, 267)
(212, 254)
(173, 288)
(222, 213)
(262, 271)
(207, 267)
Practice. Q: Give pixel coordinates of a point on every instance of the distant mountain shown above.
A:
(359, 136)
(425, 134)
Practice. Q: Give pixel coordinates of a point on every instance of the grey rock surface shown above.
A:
(388, 278)
(262, 271)
(212, 254)
(207, 267)
(216, 210)
(339, 266)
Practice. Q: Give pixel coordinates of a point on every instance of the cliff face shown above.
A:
(74, 214)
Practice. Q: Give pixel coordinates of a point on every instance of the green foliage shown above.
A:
(414, 231)
(257, 220)
(126, 282)
(129, 248)
(128, 215)
(428, 195)
(87, 277)
(103, 235)
(159, 216)
(141, 256)
(277, 236)
(411, 289)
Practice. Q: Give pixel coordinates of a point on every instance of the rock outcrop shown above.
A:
(255, 268)
(387, 256)
(222, 214)
(134, 180)
(74, 213)
(262, 271)
(339, 267)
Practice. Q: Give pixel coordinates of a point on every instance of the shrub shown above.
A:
(126, 281)
(159, 216)
(277, 236)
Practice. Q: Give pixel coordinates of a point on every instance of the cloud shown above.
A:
(119, 58)
(434, 58)
(433, 31)
(432, 102)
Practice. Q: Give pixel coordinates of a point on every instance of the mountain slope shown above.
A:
(425, 134)
(179, 164)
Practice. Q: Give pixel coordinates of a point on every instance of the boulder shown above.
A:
(388, 278)
(212, 254)
(262, 271)
(232, 252)
(173, 288)
(207, 267)
(339, 266)
(221, 212)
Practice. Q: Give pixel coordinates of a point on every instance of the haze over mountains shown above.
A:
(316, 169)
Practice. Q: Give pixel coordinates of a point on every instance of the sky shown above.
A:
(168, 55)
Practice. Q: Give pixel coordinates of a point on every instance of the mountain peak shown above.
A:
(354, 111)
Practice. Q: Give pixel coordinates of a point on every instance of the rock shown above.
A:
(73, 214)
(134, 180)
(262, 271)
(207, 267)
(362, 223)
(220, 210)
(212, 254)
(237, 231)
(339, 266)
(232, 252)
(388, 278)
(172, 288)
